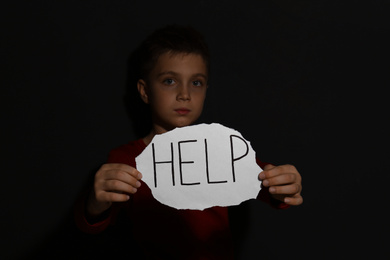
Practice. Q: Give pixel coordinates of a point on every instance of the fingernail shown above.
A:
(262, 175)
(272, 189)
(138, 184)
(139, 176)
(265, 182)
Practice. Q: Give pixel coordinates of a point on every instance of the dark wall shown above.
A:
(305, 82)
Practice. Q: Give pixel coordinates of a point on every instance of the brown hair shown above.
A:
(174, 39)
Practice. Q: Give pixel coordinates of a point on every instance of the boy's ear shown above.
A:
(141, 86)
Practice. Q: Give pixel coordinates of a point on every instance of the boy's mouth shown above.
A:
(182, 111)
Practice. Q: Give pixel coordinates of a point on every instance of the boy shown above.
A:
(173, 76)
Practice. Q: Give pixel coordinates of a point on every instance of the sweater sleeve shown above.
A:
(84, 224)
(123, 155)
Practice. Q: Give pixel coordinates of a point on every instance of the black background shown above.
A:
(305, 81)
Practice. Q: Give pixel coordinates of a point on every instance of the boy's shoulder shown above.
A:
(126, 153)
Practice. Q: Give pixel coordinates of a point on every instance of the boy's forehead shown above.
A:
(180, 63)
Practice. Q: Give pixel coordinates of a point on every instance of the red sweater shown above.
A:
(165, 232)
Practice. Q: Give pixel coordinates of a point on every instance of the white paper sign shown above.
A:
(200, 166)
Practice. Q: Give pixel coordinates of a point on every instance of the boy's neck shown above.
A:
(156, 129)
(147, 139)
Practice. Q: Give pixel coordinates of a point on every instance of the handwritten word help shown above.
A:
(200, 166)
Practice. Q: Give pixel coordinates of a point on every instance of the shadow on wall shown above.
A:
(67, 241)
(137, 110)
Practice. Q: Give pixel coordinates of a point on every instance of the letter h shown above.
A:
(154, 165)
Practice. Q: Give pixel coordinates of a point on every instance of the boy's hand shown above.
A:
(113, 183)
(284, 183)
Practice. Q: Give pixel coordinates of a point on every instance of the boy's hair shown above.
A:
(174, 39)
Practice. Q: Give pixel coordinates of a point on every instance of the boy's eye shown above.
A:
(197, 83)
(169, 81)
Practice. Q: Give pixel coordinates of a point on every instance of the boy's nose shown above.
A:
(183, 93)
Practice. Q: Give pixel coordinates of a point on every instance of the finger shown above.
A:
(278, 170)
(123, 177)
(293, 201)
(291, 189)
(112, 197)
(283, 179)
(118, 186)
(122, 167)
(268, 167)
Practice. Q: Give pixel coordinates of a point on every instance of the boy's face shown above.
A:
(175, 91)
